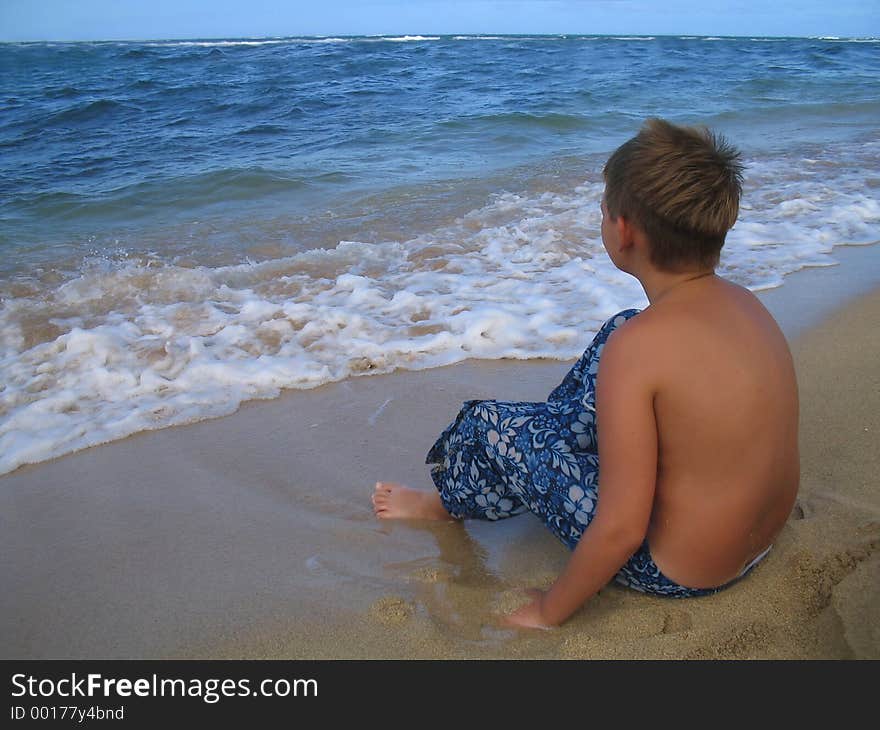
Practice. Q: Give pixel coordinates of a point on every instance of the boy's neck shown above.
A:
(660, 284)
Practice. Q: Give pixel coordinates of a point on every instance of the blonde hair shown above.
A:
(681, 186)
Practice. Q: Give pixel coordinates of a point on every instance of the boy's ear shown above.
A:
(625, 232)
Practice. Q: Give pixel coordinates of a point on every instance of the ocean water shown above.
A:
(185, 225)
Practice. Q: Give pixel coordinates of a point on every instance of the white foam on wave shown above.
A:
(794, 214)
(410, 38)
(365, 39)
(155, 346)
(126, 346)
(283, 41)
(217, 43)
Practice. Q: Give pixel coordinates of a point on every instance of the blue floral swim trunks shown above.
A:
(503, 458)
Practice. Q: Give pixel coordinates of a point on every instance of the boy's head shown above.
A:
(679, 185)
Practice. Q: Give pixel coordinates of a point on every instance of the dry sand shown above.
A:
(252, 536)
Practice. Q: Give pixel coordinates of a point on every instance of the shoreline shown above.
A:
(252, 535)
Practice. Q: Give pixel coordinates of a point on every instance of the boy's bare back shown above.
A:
(725, 405)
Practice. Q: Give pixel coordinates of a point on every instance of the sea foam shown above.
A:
(125, 346)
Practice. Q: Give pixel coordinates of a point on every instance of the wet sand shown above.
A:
(252, 536)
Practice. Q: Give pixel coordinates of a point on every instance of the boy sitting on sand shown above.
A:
(692, 410)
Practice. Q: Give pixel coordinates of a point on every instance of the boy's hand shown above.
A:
(530, 615)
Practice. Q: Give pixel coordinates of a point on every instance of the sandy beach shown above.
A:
(252, 536)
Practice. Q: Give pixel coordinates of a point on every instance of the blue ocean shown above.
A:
(186, 225)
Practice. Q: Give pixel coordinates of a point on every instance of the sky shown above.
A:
(166, 19)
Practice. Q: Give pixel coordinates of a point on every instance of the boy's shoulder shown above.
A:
(675, 314)
(631, 349)
(693, 326)
(637, 332)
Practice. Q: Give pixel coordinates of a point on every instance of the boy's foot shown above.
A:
(395, 501)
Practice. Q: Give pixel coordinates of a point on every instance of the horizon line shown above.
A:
(415, 37)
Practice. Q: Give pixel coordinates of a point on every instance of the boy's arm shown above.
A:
(628, 469)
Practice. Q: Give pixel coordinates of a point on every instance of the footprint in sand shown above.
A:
(676, 621)
(392, 610)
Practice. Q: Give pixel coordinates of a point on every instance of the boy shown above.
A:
(691, 411)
